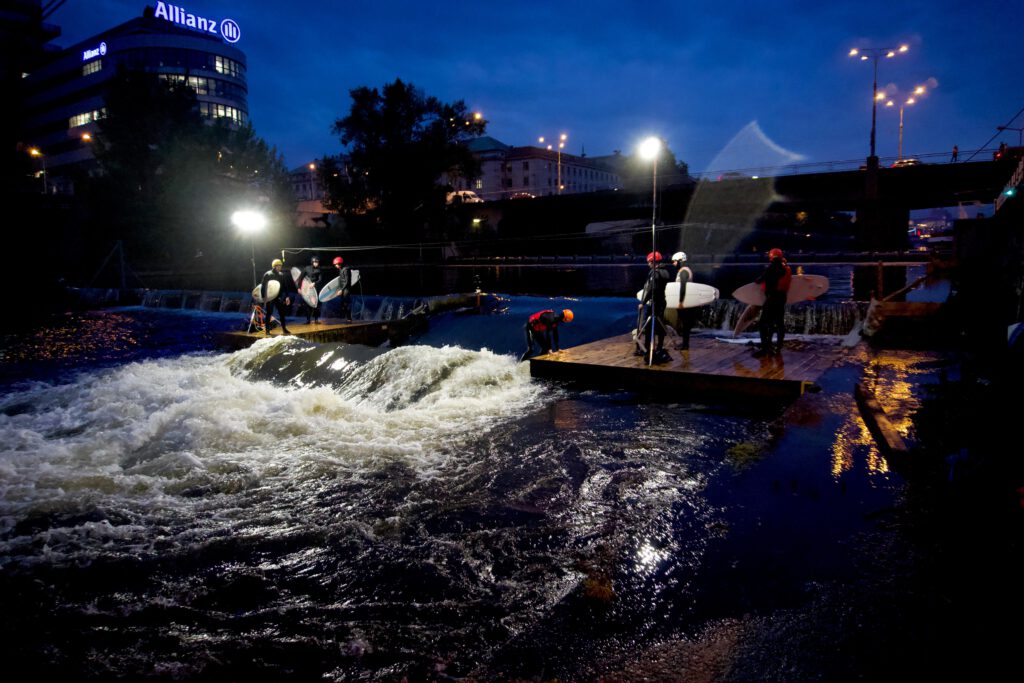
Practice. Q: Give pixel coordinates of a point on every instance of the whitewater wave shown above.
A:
(209, 433)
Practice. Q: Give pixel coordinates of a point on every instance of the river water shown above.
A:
(303, 512)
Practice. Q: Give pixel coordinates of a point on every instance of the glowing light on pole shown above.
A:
(649, 150)
(874, 54)
(249, 223)
(36, 152)
(918, 91)
(561, 145)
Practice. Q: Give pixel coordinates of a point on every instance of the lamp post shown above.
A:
(649, 150)
(249, 223)
(36, 152)
(919, 90)
(874, 54)
(561, 144)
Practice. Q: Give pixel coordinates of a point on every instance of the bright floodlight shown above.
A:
(249, 221)
(650, 148)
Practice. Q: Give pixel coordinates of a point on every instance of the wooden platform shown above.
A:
(329, 330)
(710, 369)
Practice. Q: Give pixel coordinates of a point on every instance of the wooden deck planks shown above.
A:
(729, 369)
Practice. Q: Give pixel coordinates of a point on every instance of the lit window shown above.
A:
(479, 183)
(92, 67)
(87, 117)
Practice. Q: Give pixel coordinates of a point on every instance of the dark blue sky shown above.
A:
(609, 73)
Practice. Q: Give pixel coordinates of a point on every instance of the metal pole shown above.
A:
(874, 105)
(252, 243)
(901, 133)
(654, 249)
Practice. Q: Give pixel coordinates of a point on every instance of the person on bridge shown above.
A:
(283, 301)
(956, 153)
(542, 329)
(775, 282)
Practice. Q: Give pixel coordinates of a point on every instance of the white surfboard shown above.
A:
(696, 295)
(354, 276)
(273, 289)
(801, 288)
(331, 290)
(307, 290)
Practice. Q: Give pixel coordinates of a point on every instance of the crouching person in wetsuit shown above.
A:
(542, 329)
(775, 281)
(653, 296)
(283, 301)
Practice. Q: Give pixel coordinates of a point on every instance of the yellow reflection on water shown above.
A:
(81, 337)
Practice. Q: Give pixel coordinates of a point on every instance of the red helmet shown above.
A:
(775, 253)
(654, 256)
(338, 260)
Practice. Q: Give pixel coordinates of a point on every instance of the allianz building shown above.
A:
(66, 97)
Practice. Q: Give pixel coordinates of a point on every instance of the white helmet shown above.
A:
(679, 256)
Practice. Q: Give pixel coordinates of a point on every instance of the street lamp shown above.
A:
(561, 144)
(35, 152)
(919, 90)
(249, 223)
(649, 151)
(874, 54)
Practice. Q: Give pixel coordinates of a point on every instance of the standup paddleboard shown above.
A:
(307, 290)
(696, 295)
(273, 289)
(801, 288)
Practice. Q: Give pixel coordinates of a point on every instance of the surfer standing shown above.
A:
(686, 317)
(775, 281)
(542, 329)
(654, 296)
(343, 286)
(313, 274)
(283, 302)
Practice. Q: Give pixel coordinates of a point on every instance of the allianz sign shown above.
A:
(226, 28)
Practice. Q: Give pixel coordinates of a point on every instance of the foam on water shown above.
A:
(152, 441)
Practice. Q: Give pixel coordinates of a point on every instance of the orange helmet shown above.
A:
(567, 315)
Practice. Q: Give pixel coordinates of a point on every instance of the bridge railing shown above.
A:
(834, 166)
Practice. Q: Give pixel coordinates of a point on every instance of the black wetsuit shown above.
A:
(287, 290)
(346, 303)
(775, 278)
(314, 275)
(654, 295)
(542, 329)
(687, 317)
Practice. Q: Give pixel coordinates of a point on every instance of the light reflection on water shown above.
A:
(423, 523)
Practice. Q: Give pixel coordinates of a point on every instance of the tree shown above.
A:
(402, 143)
(169, 181)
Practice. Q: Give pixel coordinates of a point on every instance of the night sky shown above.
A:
(609, 73)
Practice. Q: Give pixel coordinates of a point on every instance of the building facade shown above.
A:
(511, 172)
(65, 97)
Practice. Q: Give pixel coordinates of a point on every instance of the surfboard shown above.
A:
(307, 290)
(354, 276)
(273, 289)
(801, 288)
(331, 290)
(696, 295)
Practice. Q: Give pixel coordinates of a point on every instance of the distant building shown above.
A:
(65, 96)
(508, 172)
(308, 189)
